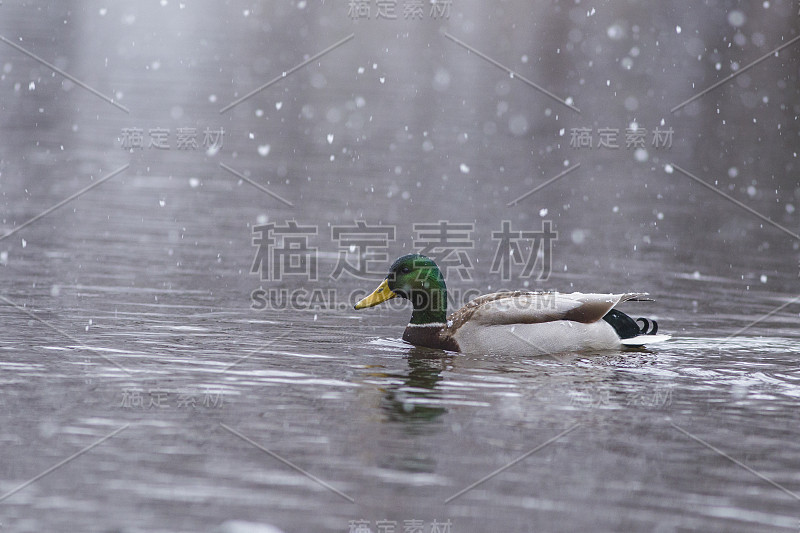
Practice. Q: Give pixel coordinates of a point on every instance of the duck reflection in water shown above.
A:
(406, 402)
(409, 414)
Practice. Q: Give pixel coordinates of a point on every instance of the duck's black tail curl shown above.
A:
(647, 329)
(627, 328)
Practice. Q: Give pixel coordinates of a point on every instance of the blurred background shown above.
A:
(401, 120)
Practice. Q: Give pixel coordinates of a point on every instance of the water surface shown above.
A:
(133, 308)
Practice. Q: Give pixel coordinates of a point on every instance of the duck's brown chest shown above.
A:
(430, 336)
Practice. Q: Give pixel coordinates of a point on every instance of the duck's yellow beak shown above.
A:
(379, 295)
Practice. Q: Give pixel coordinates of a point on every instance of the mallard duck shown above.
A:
(510, 322)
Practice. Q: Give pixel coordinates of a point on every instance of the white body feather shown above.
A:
(537, 339)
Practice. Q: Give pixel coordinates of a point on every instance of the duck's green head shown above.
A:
(416, 278)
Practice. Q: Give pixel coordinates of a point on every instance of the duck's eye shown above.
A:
(405, 270)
